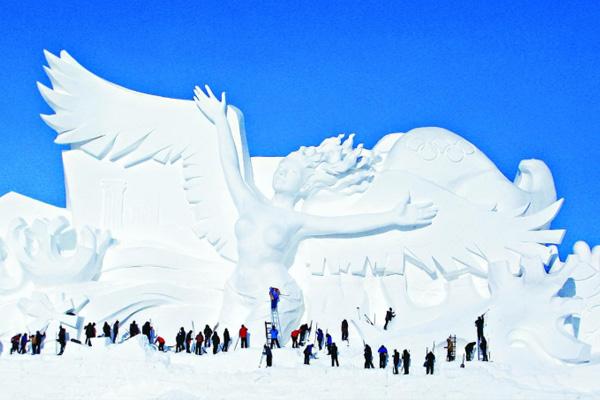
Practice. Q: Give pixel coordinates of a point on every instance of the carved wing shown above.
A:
(463, 238)
(106, 120)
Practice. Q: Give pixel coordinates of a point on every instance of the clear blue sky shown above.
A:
(518, 79)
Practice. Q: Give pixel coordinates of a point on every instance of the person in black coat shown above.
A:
(479, 323)
(333, 352)
(406, 361)
(429, 363)
(469, 350)
(269, 354)
(134, 329)
(207, 335)
(62, 339)
(389, 315)
(115, 331)
(106, 330)
(216, 340)
(226, 339)
(179, 340)
(344, 330)
(396, 359)
(188, 342)
(368, 357)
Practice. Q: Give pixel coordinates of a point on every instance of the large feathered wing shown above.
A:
(463, 238)
(109, 121)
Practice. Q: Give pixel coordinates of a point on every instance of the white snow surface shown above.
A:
(133, 371)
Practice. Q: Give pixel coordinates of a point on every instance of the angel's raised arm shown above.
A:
(414, 215)
(216, 111)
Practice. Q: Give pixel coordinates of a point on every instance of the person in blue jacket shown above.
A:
(308, 354)
(274, 337)
(320, 338)
(328, 341)
(274, 295)
(383, 354)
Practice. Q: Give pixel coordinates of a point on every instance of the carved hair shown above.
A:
(335, 165)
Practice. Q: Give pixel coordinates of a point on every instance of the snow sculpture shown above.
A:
(49, 253)
(585, 285)
(527, 310)
(403, 175)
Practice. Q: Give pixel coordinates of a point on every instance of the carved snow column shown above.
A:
(113, 191)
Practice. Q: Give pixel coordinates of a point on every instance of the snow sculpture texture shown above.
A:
(426, 200)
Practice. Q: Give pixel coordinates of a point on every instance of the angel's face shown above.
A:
(289, 177)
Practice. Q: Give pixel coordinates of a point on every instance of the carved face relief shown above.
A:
(289, 177)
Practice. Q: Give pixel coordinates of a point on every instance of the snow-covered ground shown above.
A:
(130, 371)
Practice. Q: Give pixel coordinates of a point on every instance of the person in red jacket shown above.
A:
(244, 336)
(161, 343)
(295, 334)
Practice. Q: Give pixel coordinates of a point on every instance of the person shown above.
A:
(450, 349)
(62, 339)
(146, 330)
(333, 352)
(344, 330)
(179, 340)
(303, 331)
(24, 340)
(274, 295)
(429, 363)
(161, 343)
(483, 347)
(89, 331)
(39, 342)
(406, 361)
(388, 317)
(244, 337)
(115, 331)
(34, 343)
(14, 341)
(396, 359)
(383, 354)
(307, 354)
(479, 324)
(134, 329)
(152, 334)
(188, 342)
(294, 335)
(368, 357)
(216, 340)
(320, 338)
(469, 349)
(226, 339)
(106, 330)
(269, 354)
(328, 341)
(207, 335)
(199, 340)
(274, 335)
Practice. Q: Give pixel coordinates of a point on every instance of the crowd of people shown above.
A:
(208, 338)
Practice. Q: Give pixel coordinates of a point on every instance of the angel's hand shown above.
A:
(213, 108)
(413, 214)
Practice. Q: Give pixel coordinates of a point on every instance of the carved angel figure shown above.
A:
(355, 211)
(268, 231)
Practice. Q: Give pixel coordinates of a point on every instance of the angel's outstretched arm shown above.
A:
(414, 215)
(216, 112)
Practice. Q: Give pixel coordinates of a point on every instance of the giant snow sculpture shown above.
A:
(326, 223)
